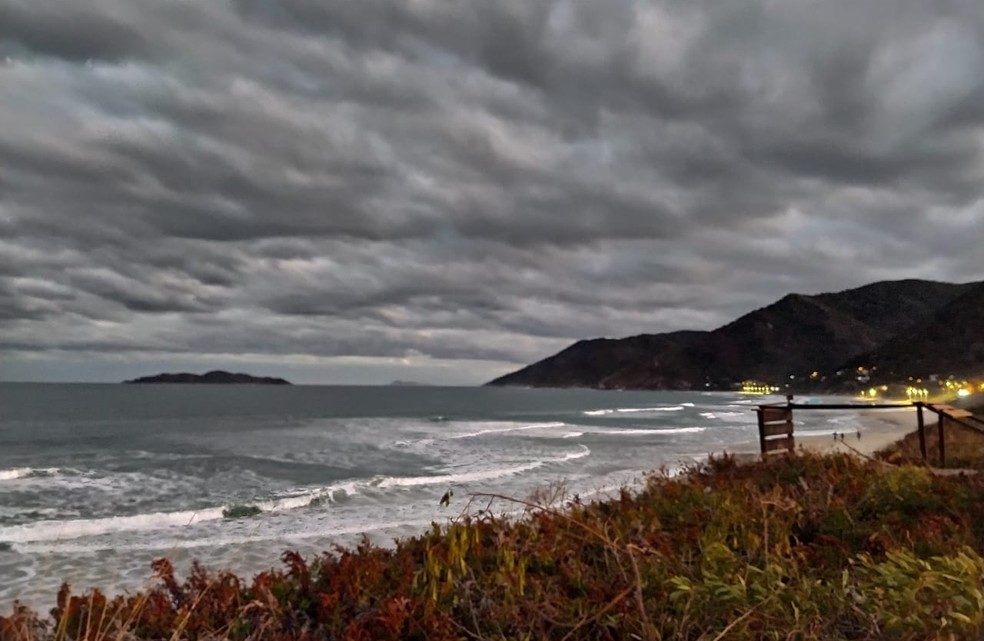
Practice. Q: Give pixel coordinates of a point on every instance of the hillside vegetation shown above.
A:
(794, 336)
(796, 548)
(950, 341)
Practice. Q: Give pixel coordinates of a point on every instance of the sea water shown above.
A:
(96, 481)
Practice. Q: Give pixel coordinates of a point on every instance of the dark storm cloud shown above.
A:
(66, 30)
(449, 181)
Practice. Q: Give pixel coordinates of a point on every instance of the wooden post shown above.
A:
(922, 431)
(789, 434)
(939, 427)
(761, 424)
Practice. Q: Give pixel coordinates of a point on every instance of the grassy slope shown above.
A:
(800, 548)
(964, 446)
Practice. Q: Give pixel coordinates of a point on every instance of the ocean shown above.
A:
(96, 481)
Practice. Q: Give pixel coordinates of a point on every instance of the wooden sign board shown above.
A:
(775, 429)
(778, 444)
(776, 414)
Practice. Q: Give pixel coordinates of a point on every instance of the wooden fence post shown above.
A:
(939, 427)
(790, 443)
(789, 406)
(922, 432)
(761, 424)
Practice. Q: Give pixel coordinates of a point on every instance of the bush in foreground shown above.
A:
(796, 548)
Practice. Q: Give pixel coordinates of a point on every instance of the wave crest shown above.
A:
(508, 428)
(637, 410)
(478, 475)
(27, 472)
(60, 530)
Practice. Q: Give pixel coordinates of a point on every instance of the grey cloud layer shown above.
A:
(470, 180)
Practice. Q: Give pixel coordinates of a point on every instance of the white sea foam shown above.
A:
(572, 435)
(39, 547)
(304, 499)
(637, 410)
(636, 431)
(727, 416)
(478, 475)
(27, 472)
(15, 473)
(506, 428)
(462, 477)
(79, 528)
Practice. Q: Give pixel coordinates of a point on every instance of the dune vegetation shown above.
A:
(964, 447)
(799, 547)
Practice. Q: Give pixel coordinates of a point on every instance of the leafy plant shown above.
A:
(240, 511)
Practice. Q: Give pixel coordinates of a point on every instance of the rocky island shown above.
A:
(213, 377)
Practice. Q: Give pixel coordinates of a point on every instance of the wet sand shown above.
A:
(878, 429)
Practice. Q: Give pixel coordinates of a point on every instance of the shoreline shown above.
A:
(882, 429)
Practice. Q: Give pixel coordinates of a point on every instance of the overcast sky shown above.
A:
(441, 190)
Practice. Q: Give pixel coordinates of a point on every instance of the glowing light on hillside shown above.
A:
(754, 387)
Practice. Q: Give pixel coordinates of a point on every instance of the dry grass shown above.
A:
(964, 447)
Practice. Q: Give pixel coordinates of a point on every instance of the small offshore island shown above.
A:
(219, 377)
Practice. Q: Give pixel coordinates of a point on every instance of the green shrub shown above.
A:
(240, 511)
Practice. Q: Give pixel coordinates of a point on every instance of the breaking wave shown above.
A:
(637, 410)
(216, 541)
(27, 472)
(509, 428)
(59, 530)
(635, 431)
(78, 528)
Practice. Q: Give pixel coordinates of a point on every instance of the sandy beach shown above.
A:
(875, 431)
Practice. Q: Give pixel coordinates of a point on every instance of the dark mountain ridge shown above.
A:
(213, 377)
(949, 342)
(793, 337)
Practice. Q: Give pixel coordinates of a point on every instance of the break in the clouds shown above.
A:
(442, 189)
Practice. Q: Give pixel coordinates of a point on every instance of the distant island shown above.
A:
(213, 377)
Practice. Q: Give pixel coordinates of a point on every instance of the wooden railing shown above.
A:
(775, 420)
(776, 425)
(943, 413)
